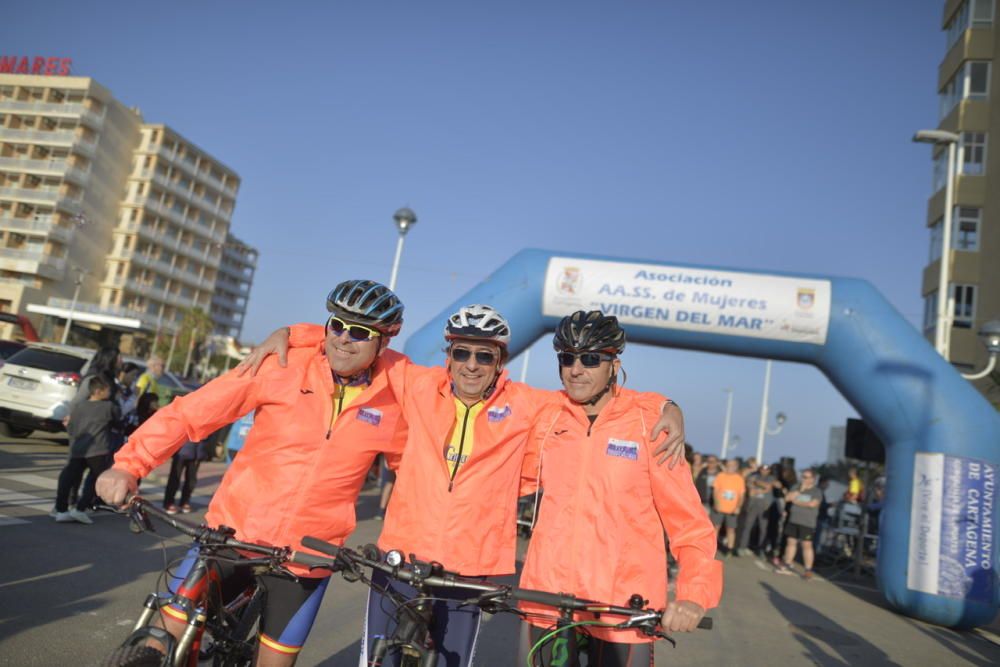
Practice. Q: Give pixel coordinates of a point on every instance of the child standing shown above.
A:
(89, 429)
(184, 463)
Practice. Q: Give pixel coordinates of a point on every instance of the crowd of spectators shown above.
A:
(780, 515)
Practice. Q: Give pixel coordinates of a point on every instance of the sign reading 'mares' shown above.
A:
(43, 65)
(720, 302)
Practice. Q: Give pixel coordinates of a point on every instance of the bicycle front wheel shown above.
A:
(136, 656)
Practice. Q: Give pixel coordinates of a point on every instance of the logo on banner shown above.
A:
(370, 415)
(623, 449)
(807, 297)
(570, 281)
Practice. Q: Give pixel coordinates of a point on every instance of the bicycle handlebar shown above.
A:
(433, 574)
(137, 508)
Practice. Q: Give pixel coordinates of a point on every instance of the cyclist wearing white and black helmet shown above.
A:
(456, 491)
(320, 420)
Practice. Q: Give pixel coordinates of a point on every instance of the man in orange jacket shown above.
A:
(320, 421)
(457, 485)
(606, 504)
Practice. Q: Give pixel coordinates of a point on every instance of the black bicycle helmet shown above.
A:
(367, 302)
(591, 331)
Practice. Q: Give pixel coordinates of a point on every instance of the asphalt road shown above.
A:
(70, 592)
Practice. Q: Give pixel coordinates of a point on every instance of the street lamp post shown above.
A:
(945, 304)
(405, 218)
(729, 416)
(72, 305)
(779, 418)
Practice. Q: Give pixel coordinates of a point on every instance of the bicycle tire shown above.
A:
(136, 656)
(244, 633)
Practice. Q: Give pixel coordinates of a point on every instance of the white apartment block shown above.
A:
(131, 218)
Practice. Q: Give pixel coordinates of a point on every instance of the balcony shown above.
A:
(32, 261)
(71, 109)
(158, 293)
(224, 300)
(35, 195)
(166, 269)
(47, 167)
(43, 227)
(54, 137)
(170, 242)
(174, 216)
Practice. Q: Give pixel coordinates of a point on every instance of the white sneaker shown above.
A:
(62, 517)
(77, 515)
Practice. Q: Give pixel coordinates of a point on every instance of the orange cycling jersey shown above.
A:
(605, 506)
(302, 466)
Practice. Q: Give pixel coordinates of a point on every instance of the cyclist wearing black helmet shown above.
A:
(455, 497)
(319, 423)
(612, 523)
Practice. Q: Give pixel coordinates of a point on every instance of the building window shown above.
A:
(964, 232)
(930, 312)
(971, 81)
(935, 253)
(965, 306)
(981, 17)
(972, 154)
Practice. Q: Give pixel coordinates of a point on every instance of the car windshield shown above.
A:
(47, 360)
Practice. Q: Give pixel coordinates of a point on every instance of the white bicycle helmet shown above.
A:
(478, 322)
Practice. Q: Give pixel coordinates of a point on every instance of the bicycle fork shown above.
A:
(411, 638)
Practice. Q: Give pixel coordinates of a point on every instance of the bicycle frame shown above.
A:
(198, 601)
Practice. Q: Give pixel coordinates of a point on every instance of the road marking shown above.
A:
(69, 570)
(39, 481)
(11, 521)
(17, 499)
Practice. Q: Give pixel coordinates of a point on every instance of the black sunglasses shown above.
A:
(588, 359)
(483, 357)
(355, 332)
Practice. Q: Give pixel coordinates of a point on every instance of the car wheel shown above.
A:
(11, 431)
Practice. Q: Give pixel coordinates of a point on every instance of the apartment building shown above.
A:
(968, 80)
(122, 222)
(232, 287)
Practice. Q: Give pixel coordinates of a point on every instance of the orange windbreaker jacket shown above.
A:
(605, 506)
(297, 474)
(468, 525)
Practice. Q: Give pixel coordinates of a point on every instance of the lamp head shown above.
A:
(405, 218)
(780, 418)
(936, 137)
(990, 335)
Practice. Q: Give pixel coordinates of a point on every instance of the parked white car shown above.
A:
(38, 383)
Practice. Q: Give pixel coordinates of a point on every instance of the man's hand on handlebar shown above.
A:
(115, 486)
(682, 616)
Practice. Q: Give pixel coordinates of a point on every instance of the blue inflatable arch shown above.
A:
(938, 529)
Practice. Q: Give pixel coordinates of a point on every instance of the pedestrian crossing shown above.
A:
(29, 496)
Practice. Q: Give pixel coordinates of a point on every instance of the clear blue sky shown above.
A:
(759, 135)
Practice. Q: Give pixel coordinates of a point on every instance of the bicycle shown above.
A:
(231, 624)
(411, 637)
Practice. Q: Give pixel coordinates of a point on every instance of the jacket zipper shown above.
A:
(461, 448)
(338, 396)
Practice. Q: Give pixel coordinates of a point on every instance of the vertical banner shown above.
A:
(706, 300)
(951, 527)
